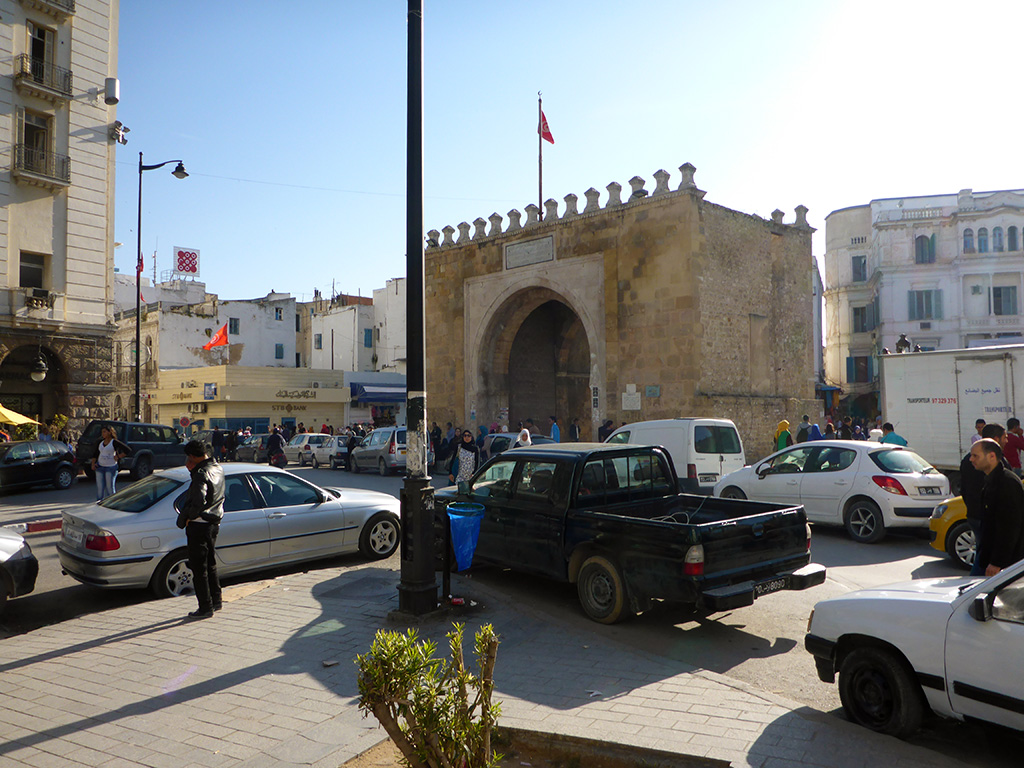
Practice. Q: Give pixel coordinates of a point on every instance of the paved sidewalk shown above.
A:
(257, 686)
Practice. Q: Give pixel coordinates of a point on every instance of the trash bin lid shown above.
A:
(466, 509)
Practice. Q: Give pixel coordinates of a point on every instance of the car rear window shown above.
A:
(400, 437)
(141, 495)
(901, 461)
(715, 439)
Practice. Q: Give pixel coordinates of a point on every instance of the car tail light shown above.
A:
(808, 527)
(693, 563)
(691, 471)
(889, 484)
(393, 449)
(104, 541)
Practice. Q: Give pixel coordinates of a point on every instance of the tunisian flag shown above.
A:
(543, 130)
(219, 339)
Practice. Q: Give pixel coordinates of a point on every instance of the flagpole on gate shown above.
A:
(540, 158)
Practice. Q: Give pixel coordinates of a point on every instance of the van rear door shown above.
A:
(717, 451)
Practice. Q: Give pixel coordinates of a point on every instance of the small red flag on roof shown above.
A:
(219, 339)
(543, 129)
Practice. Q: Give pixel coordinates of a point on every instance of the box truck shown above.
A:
(934, 399)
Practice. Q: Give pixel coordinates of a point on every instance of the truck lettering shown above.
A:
(944, 401)
(919, 399)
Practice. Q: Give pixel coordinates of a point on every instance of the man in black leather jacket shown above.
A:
(200, 516)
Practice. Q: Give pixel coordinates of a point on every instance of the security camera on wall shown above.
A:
(111, 91)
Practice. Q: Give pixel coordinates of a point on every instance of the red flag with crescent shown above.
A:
(219, 339)
(543, 130)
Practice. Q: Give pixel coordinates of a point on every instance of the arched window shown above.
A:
(983, 240)
(924, 250)
(1011, 238)
(997, 239)
(968, 241)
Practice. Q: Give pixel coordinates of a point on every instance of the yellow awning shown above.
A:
(7, 416)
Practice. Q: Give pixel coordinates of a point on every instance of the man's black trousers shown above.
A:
(202, 538)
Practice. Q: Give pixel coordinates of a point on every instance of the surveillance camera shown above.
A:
(111, 91)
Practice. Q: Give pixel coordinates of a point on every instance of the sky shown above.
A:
(291, 117)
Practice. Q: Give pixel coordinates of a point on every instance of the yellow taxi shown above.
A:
(951, 533)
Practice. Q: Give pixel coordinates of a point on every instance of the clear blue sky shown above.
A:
(290, 117)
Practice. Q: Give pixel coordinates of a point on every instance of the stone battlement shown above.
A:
(638, 196)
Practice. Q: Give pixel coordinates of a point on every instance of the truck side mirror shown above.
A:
(981, 607)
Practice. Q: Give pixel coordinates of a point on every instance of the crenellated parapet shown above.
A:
(638, 195)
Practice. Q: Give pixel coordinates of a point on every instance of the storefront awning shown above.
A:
(378, 393)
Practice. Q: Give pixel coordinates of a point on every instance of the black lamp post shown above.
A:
(180, 173)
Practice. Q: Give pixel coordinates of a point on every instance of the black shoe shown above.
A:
(218, 606)
(199, 613)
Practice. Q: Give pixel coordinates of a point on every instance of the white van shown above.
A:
(703, 450)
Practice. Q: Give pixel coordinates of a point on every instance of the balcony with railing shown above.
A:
(58, 9)
(40, 78)
(41, 168)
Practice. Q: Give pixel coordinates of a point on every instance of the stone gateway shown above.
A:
(658, 306)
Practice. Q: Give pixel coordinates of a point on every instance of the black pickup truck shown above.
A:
(610, 519)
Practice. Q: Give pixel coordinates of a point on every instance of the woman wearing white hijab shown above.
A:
(523, 440)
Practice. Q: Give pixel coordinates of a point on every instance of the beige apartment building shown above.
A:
(58, 141)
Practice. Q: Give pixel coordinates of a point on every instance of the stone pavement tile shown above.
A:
(45, 760)
(256, 741)
(83, 756)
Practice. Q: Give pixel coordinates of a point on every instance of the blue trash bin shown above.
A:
(464, 521)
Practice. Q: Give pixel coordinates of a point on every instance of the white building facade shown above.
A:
(57, 215)
(342, 338)
(389, 334)
(945, 270)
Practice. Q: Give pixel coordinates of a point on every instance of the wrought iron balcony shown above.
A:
(41, 168)
(59, 9)
(42, 79)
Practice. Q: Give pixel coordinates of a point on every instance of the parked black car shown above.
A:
(18, 566)
(253, 448)
(154, 446)
(37, 462)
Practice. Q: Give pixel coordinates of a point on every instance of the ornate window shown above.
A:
(1011, 238)
(983, 240)
(968, 241)
(924, 249)
(997, 239)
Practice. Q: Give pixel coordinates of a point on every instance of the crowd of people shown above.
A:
(849, 429)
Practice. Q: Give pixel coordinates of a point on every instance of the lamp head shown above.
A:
(39, 368)
(179, 171)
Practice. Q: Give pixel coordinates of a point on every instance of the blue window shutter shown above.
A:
(937, 308)
(368, 337)
(851, 370)
(911, 306)
(931, 247)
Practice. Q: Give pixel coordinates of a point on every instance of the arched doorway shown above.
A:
(536, 363)
(40, 400)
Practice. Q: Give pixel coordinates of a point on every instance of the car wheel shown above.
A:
(382, 468)
(379, 537)
(334, 463)
(4, 594)
(316, 464)
(732, 492)
(143, 467)
(601, 590)
(880, 693)
(353, 466)
(961, 545)
(173, 577)
(64, 478)
(90, 473)
(864, 522)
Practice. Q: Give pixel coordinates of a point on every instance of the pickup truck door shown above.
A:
(826, 480)
(533, 519)
(492, 488)
(983, 659)
(778, 477)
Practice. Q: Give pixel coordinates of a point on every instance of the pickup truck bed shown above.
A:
(609, 519)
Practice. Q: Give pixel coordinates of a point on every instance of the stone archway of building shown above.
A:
(40, 400)
(535, 362)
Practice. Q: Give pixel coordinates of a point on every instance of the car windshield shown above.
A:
(4, 448)
(901, 461)
(141, 495)
(92, 432)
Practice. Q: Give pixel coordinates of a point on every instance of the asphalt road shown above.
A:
(761, 644)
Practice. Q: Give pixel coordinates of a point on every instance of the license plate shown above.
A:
(72, 535)
(929, 490)
(767, 587)
(707, 478)
(402, 451)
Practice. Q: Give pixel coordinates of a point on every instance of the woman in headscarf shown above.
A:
(465, 460)
(523, 441)
(858, 433)
(480, 437)
(782, 437)
(815, 433)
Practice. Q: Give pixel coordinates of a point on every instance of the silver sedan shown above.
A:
(271, 517)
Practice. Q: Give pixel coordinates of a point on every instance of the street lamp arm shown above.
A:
(158, 165)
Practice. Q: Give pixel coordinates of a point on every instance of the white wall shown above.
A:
(342, 336)
(389, 327)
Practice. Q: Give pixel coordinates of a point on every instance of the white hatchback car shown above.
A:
(862, 485)
(300, 448)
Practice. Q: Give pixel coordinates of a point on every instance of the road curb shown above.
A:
(36, 526)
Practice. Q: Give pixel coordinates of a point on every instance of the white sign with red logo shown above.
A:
(186, 262)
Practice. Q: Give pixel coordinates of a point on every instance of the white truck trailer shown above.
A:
(934, 399)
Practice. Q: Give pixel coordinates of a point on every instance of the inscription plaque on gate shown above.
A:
(530, 252)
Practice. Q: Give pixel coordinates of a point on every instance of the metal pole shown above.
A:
(138, 305)
(540, 158)
(417, 591)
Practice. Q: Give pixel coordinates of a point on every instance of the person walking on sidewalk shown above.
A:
(1002, 509)
(465, 460)
(106, 462)
(200, 516)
